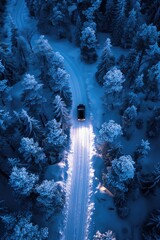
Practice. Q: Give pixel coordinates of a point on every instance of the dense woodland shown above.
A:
(33, 136)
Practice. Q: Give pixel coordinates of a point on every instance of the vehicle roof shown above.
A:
(81, 106)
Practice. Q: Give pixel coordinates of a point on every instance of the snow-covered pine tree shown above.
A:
(32, 153)
(150, 229)
(144, 39)
(14, 36)
(129, 66)
(22, 181)
(153, 82)
(55, 140)
(90, 15)
(118, 22)
(149, 181)
(2, 69)
(152, 12)
(20, 226)
(28, 125)
(31, 93)
(10, 72)
(113, 87)
(129, 116)
(88, 45)
(60, 18)
(152, 56)
(143, 150)
(107, 61)
(109, 132)
(5, 120)
(137, 8)
(44, 53)
(109, 15)
(120, 173)
(59, 82)
(51, 196)
(139, 83)
(133, 99)
(20, 49)
(48, 60)
(130, 30)
(3, 89)
(109, 235)
(8, 133)
(61, 112)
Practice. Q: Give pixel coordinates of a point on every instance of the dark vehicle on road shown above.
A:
(81, 112)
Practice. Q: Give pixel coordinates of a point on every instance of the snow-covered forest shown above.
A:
(65, 179)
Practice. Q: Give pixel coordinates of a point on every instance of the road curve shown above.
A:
(76, 222)
(78, 193)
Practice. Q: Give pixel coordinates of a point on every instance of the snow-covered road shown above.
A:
(81, 138)
(76, 224)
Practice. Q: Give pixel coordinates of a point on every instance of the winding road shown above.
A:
(76, 225)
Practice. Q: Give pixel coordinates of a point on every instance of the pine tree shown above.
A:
(151, 227)
(51, 196)
(14, 37)
(88, 45)
(120, 173)
(60, 18)
(149, 181)
(2, 69)
(20, 227)
(31, 152)
(133, 99)
(31, 93)
(109, 235)
(22, 182)
(11, 72)
(5, 120)
(118, 22)
(55, 140)
(129, 66)
(113, 87)
(109, 14)
(44, 53)
(153, 82)
(129, 116)
(139, 83)
(143, 150)
(60, 112)
(145, 37)
(19, 48)
(152, 10)
(48, 60)
(3, 89)
(107, 61)
(109, 132)
(152, 55)
(130, 30)
(59, 82)
(28, 125)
